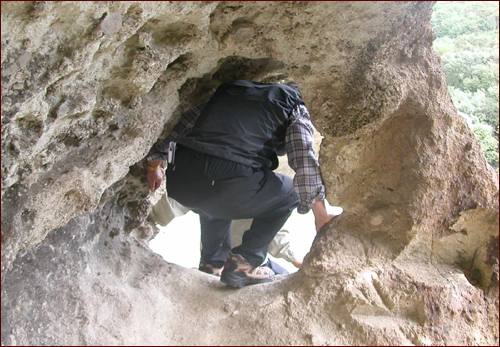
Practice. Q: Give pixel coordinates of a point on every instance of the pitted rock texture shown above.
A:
(88, 87)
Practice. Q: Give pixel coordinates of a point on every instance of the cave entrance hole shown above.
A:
(179, 241)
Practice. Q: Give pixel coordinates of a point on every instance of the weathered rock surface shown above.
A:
(88, 87)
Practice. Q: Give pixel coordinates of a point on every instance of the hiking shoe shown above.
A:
(238, 272)
(209, 269)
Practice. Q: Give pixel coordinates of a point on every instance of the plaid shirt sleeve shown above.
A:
(186, 123)
(302, 159)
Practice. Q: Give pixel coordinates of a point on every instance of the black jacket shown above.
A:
(244, 122)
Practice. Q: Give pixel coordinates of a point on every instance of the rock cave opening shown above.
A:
(178, 239)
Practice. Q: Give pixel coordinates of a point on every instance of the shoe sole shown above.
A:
(239, 280)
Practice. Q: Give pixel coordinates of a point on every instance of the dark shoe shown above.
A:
(238, 272)
(209, 269)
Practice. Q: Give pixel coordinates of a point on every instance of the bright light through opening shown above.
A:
(179, 241)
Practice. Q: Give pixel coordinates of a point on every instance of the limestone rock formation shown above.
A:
(88, 87)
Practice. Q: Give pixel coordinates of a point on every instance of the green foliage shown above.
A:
(471, 70)
(489, 144)
(467, 41)
(480, 106)
(455, 18)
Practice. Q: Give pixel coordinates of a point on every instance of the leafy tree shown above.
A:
(467, 41)
(455, 18)
(489, 144)
(471, 70)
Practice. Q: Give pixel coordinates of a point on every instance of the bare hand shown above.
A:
(155, 178)
(320, 223)
(297, 263)
(321, 216)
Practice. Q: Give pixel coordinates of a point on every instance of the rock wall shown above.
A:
(88, 87)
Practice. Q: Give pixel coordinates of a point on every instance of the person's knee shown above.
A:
(289, 192)
(290, 200)
(287, 186)
(294, 199)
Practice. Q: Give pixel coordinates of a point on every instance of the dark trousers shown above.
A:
(219, 191)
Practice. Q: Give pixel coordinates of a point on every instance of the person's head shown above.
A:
(281, 79)
(293, 85)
